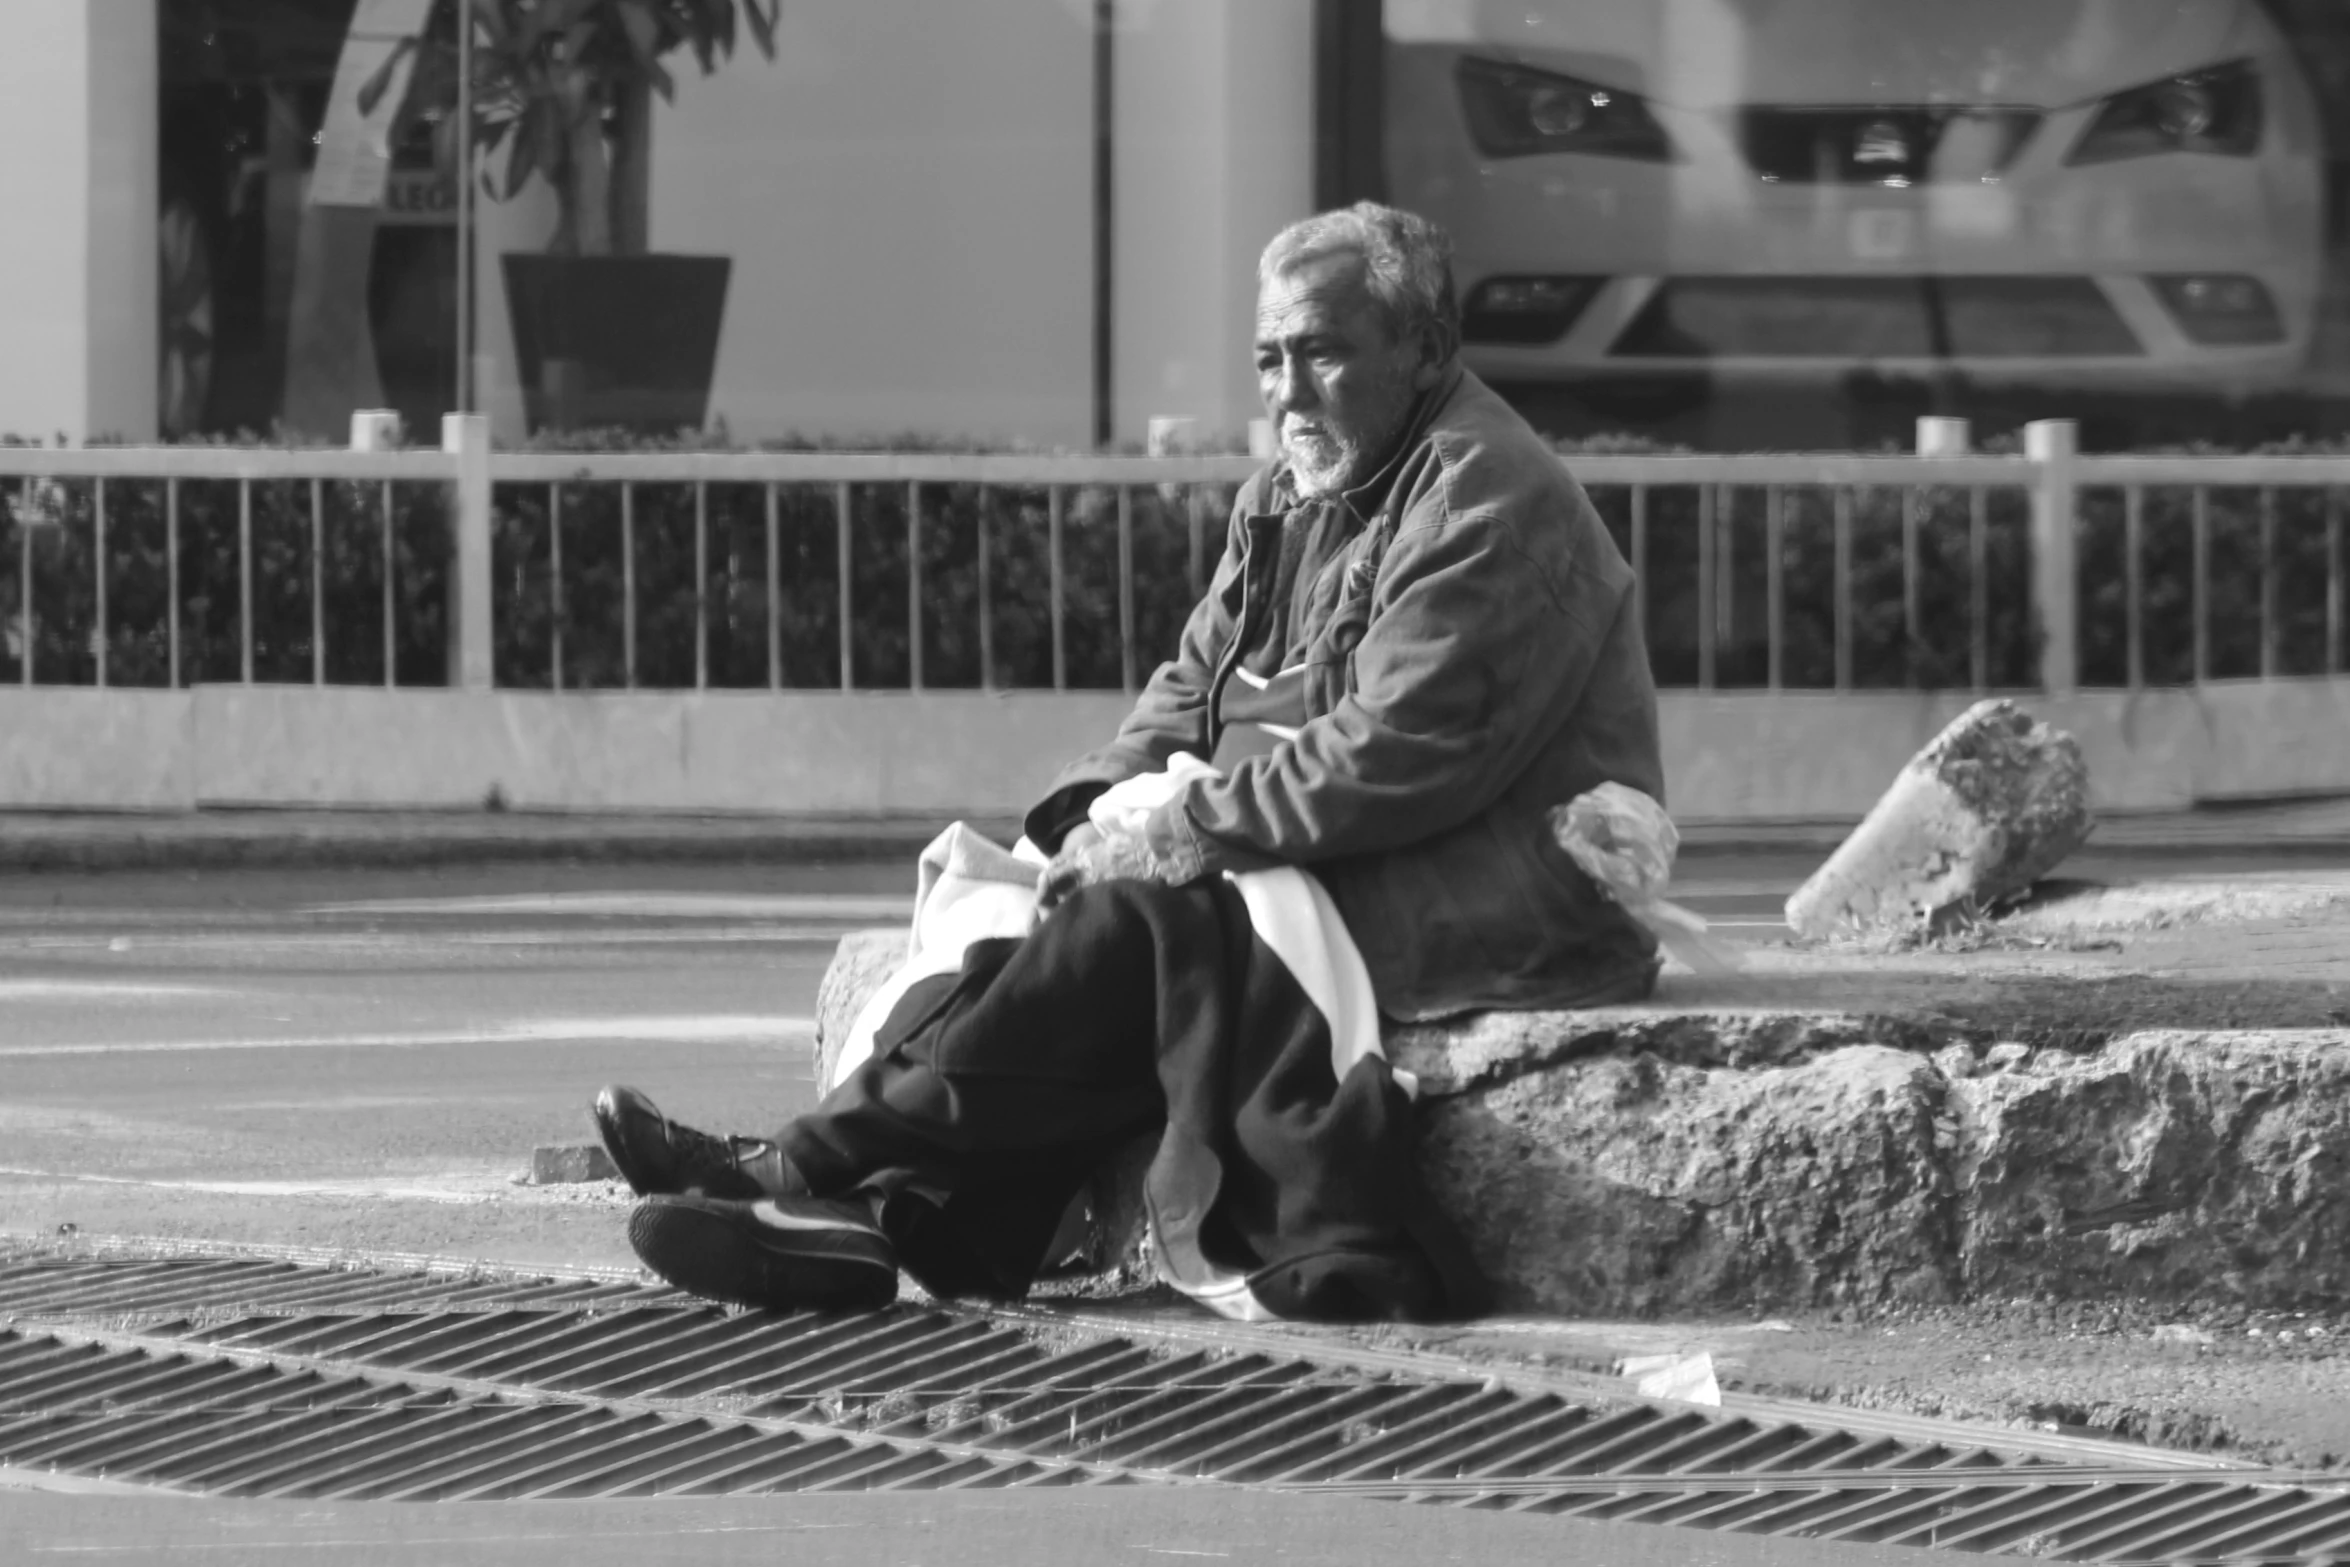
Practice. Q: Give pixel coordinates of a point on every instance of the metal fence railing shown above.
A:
(719, 570)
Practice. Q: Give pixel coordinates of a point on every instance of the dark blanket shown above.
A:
(994, 1092)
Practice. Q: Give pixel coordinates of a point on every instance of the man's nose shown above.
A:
(1290, 388)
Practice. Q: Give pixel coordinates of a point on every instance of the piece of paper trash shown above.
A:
(1689, 1378)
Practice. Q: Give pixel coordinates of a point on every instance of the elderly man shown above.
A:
(1419, 639)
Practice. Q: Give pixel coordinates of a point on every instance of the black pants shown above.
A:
(993, 1093)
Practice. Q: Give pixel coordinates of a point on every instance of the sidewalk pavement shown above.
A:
(94, 841)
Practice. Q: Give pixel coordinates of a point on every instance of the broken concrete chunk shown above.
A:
(1993, 804)
(553, 1164)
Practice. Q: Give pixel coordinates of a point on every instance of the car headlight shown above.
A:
(1515, 112)
(2215, 110)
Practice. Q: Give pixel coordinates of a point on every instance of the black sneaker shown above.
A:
(799, 1253)
(656, 1155)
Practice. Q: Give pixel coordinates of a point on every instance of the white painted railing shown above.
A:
(1965, 517)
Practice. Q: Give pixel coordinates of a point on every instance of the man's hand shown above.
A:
(1089, 855)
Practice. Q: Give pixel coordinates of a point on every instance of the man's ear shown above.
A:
(1437, 345)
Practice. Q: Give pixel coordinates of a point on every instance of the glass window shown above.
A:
(1741, 223)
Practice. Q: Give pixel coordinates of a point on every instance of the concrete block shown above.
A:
(568, 1164)
(1994, 803)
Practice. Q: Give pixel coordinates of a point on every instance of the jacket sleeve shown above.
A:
(1472, 652)
(1170, 715)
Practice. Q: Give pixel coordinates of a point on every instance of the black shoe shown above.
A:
(656, 1155)
(802, 1253)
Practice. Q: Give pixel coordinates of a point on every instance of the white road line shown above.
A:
(89, 990)
(689, 1030)
(648, 905)
(467, 1190)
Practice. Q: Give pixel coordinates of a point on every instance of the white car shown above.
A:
(2105, 193)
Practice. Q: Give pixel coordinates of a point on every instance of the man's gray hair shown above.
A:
(1407, 259)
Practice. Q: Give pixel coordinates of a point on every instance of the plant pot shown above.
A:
(616, 340)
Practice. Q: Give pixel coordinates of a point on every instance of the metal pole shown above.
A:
(555, 587)
(628, 586)
(171, 574)
(841, 544)
(98, 572)
(318, 582)
(914, 585)
(1705, 587)
(391, 595)
(24, 582)
(1775, 581)
(701, 587)
(464, 389)
(774, 595)
(245, 580)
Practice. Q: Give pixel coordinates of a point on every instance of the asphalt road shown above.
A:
(366, 1058)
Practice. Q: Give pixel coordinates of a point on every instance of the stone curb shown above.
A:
(1655, 1160)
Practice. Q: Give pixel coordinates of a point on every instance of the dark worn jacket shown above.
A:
(1473, 656)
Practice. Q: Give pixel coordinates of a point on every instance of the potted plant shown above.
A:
(607, 333)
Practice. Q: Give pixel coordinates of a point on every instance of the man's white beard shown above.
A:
(1320, 464)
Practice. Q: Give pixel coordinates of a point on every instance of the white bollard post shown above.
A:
(467, 438)
(375, 429)
(1942, 436)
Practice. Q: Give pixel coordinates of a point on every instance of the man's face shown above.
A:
(1337, 383)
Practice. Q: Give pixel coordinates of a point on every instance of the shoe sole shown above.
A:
(723, 1257)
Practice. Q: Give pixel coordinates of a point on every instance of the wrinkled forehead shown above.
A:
(1329, 291)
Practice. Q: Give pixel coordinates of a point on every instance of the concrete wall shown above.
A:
(1751, 757)
(78, 112)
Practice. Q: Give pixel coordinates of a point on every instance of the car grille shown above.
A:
(1876, 145)
(1876, 317)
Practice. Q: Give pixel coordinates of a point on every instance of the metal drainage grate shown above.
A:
(240, 1376)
